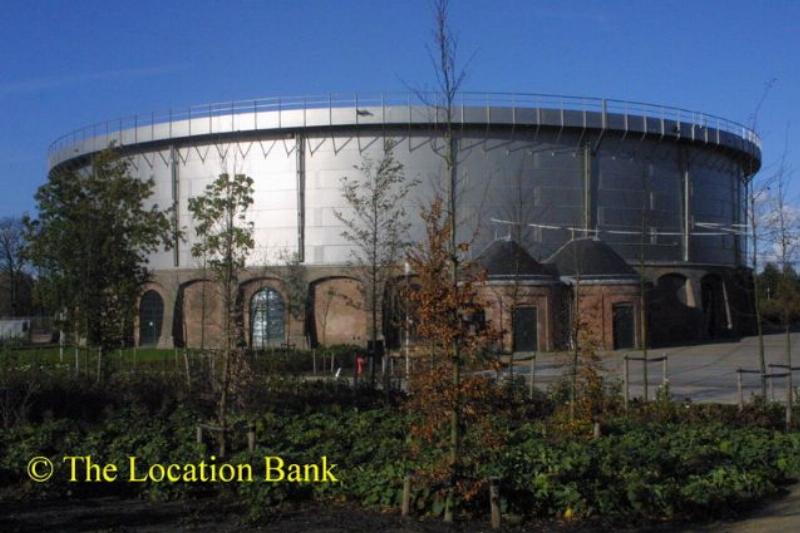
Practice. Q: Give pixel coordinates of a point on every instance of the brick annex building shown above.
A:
(604, 191)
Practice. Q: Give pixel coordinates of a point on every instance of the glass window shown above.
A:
(266, 319)
(151, 314)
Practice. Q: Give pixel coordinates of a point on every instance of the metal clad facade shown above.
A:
(556, 171)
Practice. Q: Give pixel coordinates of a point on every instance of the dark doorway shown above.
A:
(709, 299)
(623, 326)
(524, 326)
(715, 306)
(151, 314)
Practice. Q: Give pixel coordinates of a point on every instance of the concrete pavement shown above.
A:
(702, 373)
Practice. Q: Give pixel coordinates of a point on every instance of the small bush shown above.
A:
(663, 461)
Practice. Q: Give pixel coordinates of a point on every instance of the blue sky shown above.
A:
(65, 64)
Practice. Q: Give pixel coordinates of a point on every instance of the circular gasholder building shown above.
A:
(553, 191)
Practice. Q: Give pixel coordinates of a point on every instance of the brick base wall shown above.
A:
(338, 314)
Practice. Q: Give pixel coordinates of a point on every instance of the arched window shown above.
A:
(151, 314)
(266, 319)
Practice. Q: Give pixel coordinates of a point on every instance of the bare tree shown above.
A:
(225, 237)
(578, 327)
(786, 233)
(12, 259)
(757, 204)
(449, 79)
(203, 258)
(294, 279)
(325, 308)
(756, 195)
(376, 225)
(520, 208)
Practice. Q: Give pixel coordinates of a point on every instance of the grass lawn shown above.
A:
(50, 357)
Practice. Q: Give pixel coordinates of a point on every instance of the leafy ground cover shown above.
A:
(662, 462)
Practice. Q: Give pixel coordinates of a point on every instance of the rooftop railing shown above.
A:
(463, 100)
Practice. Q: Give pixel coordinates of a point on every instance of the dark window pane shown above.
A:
(525, 329)
(623, 326)
(266, 318)
(151, 314)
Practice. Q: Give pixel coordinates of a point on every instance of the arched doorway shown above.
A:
(672, 290)
(267, 319)
(673, 317)
(340, 314)
(151, 315)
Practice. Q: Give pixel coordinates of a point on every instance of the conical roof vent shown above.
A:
(591, 259)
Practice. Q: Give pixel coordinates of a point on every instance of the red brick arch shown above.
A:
(339, 311)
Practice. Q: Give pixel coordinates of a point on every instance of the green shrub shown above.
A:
(665, 461)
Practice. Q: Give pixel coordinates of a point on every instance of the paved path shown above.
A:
(702, 373)
(780, 516)
(112, 514)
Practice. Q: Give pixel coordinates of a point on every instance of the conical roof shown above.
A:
(591, 259)
(506, 259)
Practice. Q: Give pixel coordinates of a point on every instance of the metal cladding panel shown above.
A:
(330, 158)
(536, 176)
(535, 180)
(271, 164)
(156, 166)
(714, 199)
(496, 177)
(640, 185)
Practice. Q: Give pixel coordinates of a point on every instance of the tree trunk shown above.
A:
(223, 402)
(573, 390)
(373, 336)
(455, 415)
(455, 438)
(99, 364)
